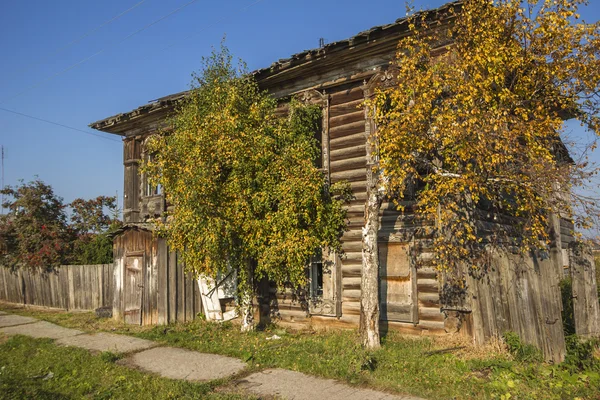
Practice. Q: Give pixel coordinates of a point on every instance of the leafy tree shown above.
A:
(92, 227)
(89, 216)
(475, 121)
(245, 191)
(34, 233)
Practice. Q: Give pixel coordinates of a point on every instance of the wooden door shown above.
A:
(397, 283)
(133, 289)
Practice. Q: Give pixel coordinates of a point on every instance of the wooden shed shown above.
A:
(150, 285)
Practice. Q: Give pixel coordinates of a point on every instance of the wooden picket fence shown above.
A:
(69, 287)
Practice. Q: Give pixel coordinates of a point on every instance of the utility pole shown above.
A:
(2, 198)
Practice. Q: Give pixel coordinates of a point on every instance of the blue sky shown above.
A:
(122, 74)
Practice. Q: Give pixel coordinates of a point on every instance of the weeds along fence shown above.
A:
(69, 287)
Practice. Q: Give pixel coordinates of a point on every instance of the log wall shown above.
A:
(69, 287)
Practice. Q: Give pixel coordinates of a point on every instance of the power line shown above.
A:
(206, 27)
(162, 49)
(98, 52)
(80, 38)
(58, 124)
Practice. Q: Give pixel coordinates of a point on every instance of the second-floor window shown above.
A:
(149, 189)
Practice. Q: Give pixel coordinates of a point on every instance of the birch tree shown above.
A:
(476, 119)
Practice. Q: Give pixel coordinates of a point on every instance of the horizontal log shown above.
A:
(347, 130)
(351, 308)
(346, 96)
(349, 163)
(353, 175)
(352, 235)
(352, 269)
(351, 282)
(350, 117)
(428, 299)
(352, 246)
(426, 273)
(347, 141)
(430, 314)
(348, 152)
(350, 294)
(427, 285)
(432, 325)
(345, 108)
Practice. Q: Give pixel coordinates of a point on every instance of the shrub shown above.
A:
(522, 352)
(580, 354)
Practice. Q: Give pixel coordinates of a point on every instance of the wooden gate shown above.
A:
(397, 283)
(133, 289)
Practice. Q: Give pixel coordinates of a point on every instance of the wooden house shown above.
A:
(151, 287)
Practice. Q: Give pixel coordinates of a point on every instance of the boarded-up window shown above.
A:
(397, 283)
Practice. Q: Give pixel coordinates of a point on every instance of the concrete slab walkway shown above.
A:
(107, 342)
(41, 329)
(176, 363)
(293, 385)
(12, 320)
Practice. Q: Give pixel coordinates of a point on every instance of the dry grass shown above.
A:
(465, 348)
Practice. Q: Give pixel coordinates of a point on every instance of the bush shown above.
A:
(521, 351)
(580, 354)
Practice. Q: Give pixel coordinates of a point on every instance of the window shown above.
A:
(316, 276)
(324, 285)
(149, 189)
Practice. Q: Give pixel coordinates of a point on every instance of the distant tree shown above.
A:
(93, 221)
(244, 187)
(34, 233)
(475, 122)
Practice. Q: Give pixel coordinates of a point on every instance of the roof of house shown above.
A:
(110, 124)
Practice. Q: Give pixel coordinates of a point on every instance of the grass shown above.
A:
(38, 369)
(428, 367)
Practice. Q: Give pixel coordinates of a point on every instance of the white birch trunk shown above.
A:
(369, 283)
(247, 310)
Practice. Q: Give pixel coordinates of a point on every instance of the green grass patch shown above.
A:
(428, 367)
(38, 369)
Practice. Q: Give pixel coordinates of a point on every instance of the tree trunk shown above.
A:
(246, 306)
(369, 283)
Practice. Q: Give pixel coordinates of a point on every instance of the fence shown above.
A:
(70, 287)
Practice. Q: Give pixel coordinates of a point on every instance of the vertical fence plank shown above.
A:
(162, 282)
(586, 308)
(172, 292)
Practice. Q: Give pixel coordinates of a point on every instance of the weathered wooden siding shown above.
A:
(132, 153)
(586, 308)
(519, 294)
(168, 294)
(69, 287)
